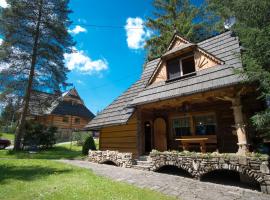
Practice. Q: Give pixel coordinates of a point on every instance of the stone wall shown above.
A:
(196, 164)
(200, 164)
(119, 159)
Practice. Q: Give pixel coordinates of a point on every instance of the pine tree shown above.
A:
(181, 16)
(9, 113)
(253, 28)
(35, 38)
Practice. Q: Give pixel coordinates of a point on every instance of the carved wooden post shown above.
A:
(239, 125)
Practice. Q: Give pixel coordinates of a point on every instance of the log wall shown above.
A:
(121, 137)
(57, 121)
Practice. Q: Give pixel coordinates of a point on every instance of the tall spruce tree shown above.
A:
(170, 16)
(253, 28)
(35, 38)
(9, 113)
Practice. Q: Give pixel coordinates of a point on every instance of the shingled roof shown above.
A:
(224, 47)
(40, 102)
(45, 104)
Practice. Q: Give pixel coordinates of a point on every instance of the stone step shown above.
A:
(144, 158)
(139, 162)
(141, 167)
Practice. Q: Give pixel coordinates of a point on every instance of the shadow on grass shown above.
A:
(57, 152)
(27, 173)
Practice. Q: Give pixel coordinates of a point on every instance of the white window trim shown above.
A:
(181, 65)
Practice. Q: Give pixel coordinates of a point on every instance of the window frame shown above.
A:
(181, 68)
(181, 117)
(204, 115)
(65, 121)
(191, 116)
(77, 120)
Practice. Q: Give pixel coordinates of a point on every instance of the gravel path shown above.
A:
(183, 188)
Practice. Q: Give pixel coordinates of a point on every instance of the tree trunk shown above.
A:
(21, 124)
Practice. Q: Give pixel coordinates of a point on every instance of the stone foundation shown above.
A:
(200, 164)
(119, 159)
(196, 164)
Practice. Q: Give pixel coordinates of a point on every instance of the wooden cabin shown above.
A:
(188, 99)
(65, 111)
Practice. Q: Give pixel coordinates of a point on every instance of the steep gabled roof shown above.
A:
(69, 108)
(45, 104)
(224, 47)
(40, 102)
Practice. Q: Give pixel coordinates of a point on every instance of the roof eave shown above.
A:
(182, 95)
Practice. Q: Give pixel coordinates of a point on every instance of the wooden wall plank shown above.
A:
(121, 137)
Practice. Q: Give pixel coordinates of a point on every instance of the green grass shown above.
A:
(97, 143)
(45, 179)
(9, 136)
(62, 151)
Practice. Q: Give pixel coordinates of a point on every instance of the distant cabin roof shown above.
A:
(223, 47)
(42, 103)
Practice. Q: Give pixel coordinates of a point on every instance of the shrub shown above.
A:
(89, 143)
(39, 135)
(80, 137)
(47, 138)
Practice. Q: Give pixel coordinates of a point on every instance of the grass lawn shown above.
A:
(45, 179)
(62, 151)
(97, 143)
(9, 136)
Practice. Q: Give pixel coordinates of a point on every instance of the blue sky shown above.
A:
(110, 64)
(106, 61)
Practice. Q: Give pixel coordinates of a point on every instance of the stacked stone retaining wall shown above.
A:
(196, 164)
(119, 159)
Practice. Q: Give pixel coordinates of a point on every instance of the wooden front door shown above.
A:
(160, 138)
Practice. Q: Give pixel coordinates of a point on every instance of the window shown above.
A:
(180, 67)
(173, 69)
(65, 119)
(188, 65)
(205, 125)
(181, 126)
(77, 120)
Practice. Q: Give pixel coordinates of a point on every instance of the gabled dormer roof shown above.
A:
(224, 47)
(176, 40)
(179, 45)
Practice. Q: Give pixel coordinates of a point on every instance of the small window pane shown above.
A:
(77, 120)
(65, 119)
(181, 126)
(173, 68)
(205, 125)
(188, 65)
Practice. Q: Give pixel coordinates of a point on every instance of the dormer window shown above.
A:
(180, 67)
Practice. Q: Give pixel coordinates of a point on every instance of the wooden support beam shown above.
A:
(240, 125)
(139, 132)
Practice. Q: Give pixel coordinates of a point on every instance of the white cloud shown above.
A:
(1, 40)
(77, 29)
(81, 20)
(136, 33)
(80, 62)
(3, 3)
(80, 82)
